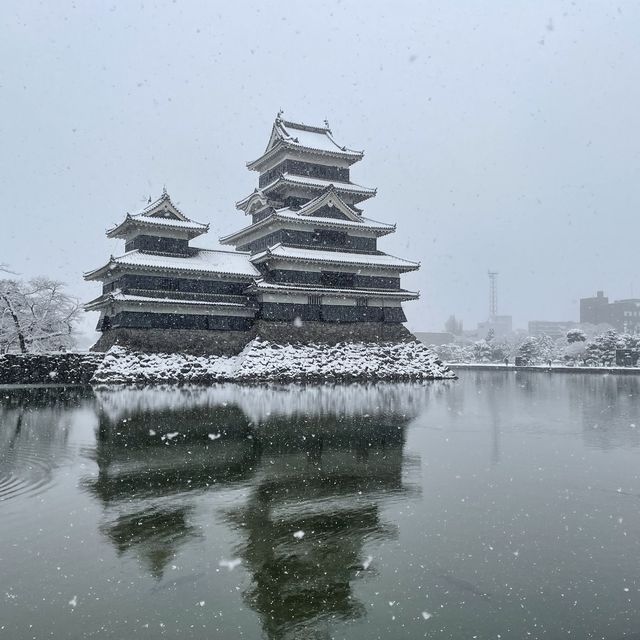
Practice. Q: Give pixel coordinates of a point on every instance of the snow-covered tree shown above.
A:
(454, 352)
(575, 335)
(500, 351)
(36, 316)
(482, 351)
(529, 350)
(575, 352)
(601, 351)
(629, 341)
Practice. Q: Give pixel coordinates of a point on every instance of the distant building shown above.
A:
(502, 326)
(622, 315)
(594, 310)
(538, 328)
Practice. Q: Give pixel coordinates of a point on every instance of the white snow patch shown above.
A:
(230, 564)
(298, 535)
(262, 360)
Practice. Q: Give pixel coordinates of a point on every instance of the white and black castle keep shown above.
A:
(306, 268)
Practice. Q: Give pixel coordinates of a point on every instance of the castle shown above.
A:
(307, 267)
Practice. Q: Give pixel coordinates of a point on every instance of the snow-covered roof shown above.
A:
(207, 261)
(362, 193)
(318, 183)
(196, 228)
(330, 197)
(163, 204)
(160, 214)
(365, 223)
(296, 135)
(118, 296)
(181, 224)
(336, 257)
(256, 194)
(403, 294)
(289, 215)
(311, 137)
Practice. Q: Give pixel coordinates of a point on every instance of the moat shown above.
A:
(504, 504)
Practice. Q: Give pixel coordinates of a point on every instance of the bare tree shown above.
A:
(36, 316)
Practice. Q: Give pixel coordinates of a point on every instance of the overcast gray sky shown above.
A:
(500, 135)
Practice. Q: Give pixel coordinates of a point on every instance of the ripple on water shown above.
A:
(27, 471)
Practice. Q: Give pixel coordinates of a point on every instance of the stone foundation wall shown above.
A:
(332, 332)
(51, 368)
(229, 343)
(190, 341)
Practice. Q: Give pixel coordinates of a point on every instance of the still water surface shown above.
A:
(503, 505)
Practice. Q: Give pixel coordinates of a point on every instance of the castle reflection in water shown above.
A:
(314, 459)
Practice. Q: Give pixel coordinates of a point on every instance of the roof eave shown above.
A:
(350, 156)
(347, 187)
(293, 290)
(307, 220)
(144, 267)
(121, 229)
(97, 273)
(269, 255)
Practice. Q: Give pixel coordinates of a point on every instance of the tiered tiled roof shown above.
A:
(117, 296)
(335, 257)
(287, 135)
(161, 214)
(205, 261)
(315, 184)
(400, 294)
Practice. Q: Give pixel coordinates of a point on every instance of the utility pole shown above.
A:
(493, 294)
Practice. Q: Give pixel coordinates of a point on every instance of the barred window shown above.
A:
(362, 302)
(314, 300)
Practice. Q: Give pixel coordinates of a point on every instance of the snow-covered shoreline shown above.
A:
(554, 368)
(264, 361)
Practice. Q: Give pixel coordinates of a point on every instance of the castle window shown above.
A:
(337, 279)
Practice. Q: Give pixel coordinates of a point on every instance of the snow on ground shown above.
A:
(262, 361)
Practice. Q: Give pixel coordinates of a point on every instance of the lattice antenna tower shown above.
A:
(493, 294)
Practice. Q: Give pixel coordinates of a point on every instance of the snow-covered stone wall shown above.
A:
(262, 360)
(48, 368)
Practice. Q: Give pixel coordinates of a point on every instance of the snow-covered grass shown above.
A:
(266, 361)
